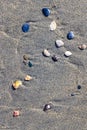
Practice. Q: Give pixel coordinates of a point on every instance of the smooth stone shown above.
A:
(53, 26)
(82, 47)
(25, 27)
(59, 43)
(70, 35)
(46, 53)
(16, 84)
(46, 12)
(30, 64)
(47, 107)
(55, 58)
(79, 87)
(68, 53)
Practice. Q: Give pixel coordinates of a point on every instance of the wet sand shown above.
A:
(52, 81)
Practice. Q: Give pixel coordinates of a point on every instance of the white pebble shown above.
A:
(59, 43)
(68, 53)
(53, 26)
(46, 53)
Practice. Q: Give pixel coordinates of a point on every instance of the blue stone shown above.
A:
(79, 87)
(30, 64)
(46, 12)
(25, 27)
(70, 35)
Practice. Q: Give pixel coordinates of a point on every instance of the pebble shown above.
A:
(16, 84)
(79, 87)
(27, 78)
(47, 107)
(82, 47)
(25, 27)
(59, 43)
(16, 113)
(30, 64)
(68, 53)
(53, 26)
(70, 35)
(46, 53)
(46, 12)
(55, 58)
(25, 57)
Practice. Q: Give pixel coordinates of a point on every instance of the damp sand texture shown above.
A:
(52, 82)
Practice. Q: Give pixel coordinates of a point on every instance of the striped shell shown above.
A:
(59, 43)
(46, 53)
(53, 25)
(68, 53)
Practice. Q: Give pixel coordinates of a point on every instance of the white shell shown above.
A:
(53, 25)
(59, 43)
(68, 53)
(46, 53)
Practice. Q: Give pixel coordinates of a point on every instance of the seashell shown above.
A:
(27, 78)
(16, 113)
(46, 53)
(59, 43)
(16, 84)
(82, 47)
(68, 53)
(55, 58)
(47, 107)
(46, 12)
(70, 35)
(53, 25)
(25, 27)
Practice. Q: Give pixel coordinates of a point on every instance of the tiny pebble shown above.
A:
(68, 53)
(79, 87)
(25, 27)
(47, 107)
(46, 12)
(72, 94)
(16, 84)
(46, 53)
(16, 113)
(59, 43)
(25, 57)
(70, 35)
(27, 78)
(53, 26)
(82, 47)
(30, 64)
(55, 58)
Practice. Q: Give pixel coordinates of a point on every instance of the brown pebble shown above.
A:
(82, 47)
(16, 113)
(27, 78)
(26, 57)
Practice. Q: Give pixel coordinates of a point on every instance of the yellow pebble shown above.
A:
(28, 77)
(16, 84)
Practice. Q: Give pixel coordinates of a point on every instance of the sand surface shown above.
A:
(52, 81)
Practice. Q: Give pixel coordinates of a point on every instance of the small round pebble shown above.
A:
(25, 27)
(16, 84)
(68, 53)
(70, 35)
(46, 12)
(30, 64)
(16, 113)
(55, 58)
(47, 107)
(79, 87)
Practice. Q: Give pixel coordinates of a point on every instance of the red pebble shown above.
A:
(16, 113)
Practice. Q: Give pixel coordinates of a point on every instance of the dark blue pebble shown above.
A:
(79, 87)
(70, 35)
(25, 27)
(46, 12)
(30, 64)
